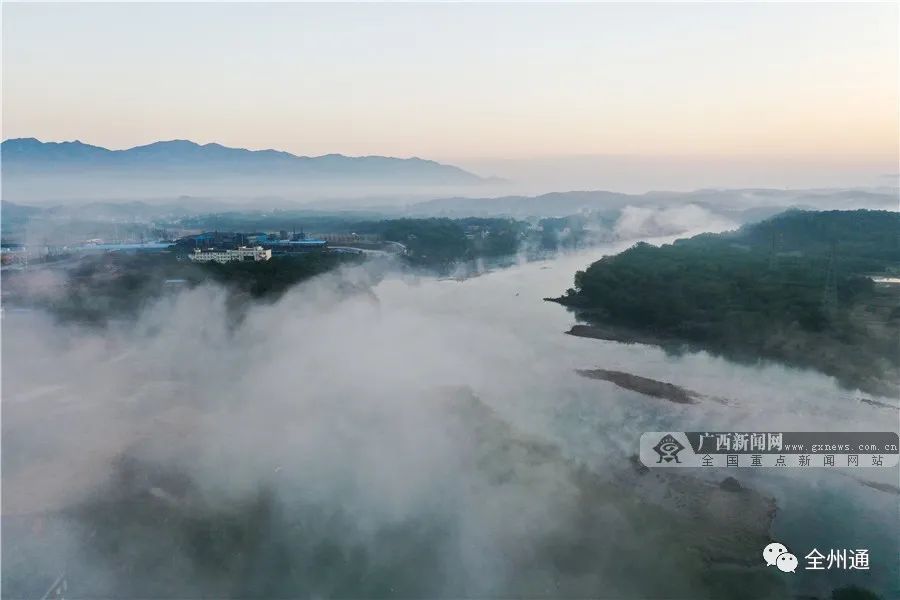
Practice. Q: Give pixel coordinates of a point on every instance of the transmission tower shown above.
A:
(774, 249)
(829, 294)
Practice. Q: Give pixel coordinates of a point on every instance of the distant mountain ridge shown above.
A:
(763, 202)
(27, 156)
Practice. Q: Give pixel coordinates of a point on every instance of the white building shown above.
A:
(256, 253)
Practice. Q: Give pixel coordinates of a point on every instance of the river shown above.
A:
(330, 387)
(597, 422)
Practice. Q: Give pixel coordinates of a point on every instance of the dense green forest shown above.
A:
(795, 287)
(95, 288)
(442, 241)
(117, 285)
(431, 242)
(437, 242)
(274, 220)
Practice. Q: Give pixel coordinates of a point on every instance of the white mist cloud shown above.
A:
(641, 222)
(327, 399)
(341, 422)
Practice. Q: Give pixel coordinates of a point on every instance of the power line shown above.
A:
(829, 294)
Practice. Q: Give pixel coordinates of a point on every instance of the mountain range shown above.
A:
(29, 155)
(738, 204)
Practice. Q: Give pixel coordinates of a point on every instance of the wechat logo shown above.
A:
(777, 555)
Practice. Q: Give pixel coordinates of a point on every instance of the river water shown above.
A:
(596, 422)
(327, 367)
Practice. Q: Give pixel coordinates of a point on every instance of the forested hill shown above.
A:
(796, 288)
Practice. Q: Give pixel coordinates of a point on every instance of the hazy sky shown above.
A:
(461, 81)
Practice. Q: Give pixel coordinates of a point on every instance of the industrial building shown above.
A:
(286, 246)
(241, 253)
(278, 243)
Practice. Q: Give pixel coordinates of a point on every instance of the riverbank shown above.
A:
(809, 301)
(564, 528)
(643, 385)
(877, 376)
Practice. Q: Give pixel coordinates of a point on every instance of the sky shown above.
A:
(475, 84)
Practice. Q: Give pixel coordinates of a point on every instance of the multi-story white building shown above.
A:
(255, 253)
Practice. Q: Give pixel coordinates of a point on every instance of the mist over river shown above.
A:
(598, 422)
(334, 390)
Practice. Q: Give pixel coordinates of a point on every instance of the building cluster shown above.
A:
(241, 253)
(13, 255)
(208, 246)
(17, 255)
(222, 247)
(284, 240)
(348, 238)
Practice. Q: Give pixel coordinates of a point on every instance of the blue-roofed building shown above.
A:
(278, 243)
(285, 246)
(135, 247)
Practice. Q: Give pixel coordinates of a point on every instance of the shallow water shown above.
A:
(327, 367)
(596, 422)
